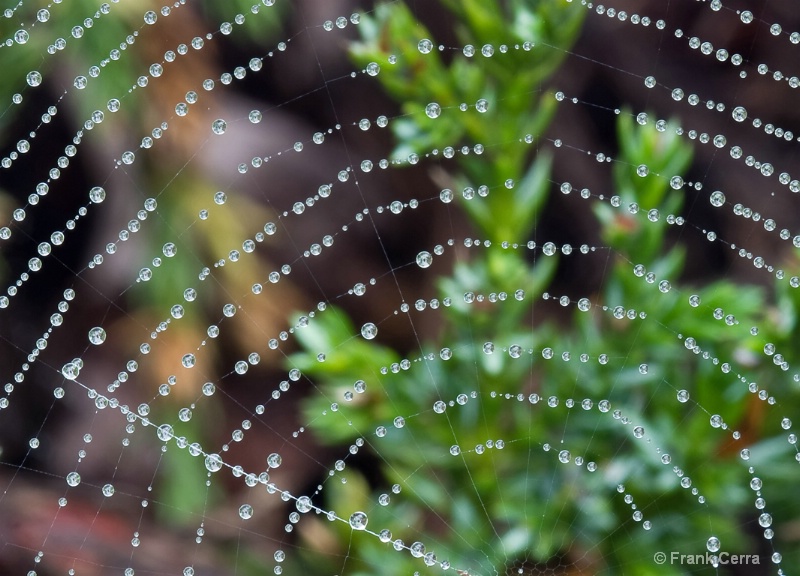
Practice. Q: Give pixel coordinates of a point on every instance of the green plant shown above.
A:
(495, 348)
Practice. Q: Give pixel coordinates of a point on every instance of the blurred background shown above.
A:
(521, 509)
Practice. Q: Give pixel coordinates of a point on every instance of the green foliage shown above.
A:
(536, 506)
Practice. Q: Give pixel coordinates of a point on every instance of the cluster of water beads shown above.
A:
(745, 16)
(564, 456)
(98, 194)
(739, 114)
(765, 520)
(638, 432)
(385, 499)
(370, 330)
(218, 126)
(722, 54)
(770, 225)
(8, 13)
(684, 482)
(719, 141)
(34, 78)
(514, 351)
(190, 294)
(637, 515)
(717, 199)
(56, 320)
(621, 15)
(325, 190)
(396, 209)
(367, 165)
(44, 249)
(23, 33)
(762, 394)
(423, 260)
(357, 520)
(255, 64)
(25, 145)
(42, 188)
(715, 421)
(694, 301)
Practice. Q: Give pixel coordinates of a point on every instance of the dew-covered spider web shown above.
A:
(344, 288)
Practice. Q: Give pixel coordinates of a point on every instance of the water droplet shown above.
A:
(433, 110)
(21, 36)
(369, 331)
(70, 370)
(424, 259)
(213, 462)
(97, 336)
(97, 195)
(358, 521)
(219, 126)
(34, 78)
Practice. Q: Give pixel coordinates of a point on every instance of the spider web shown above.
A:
(245, 330)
